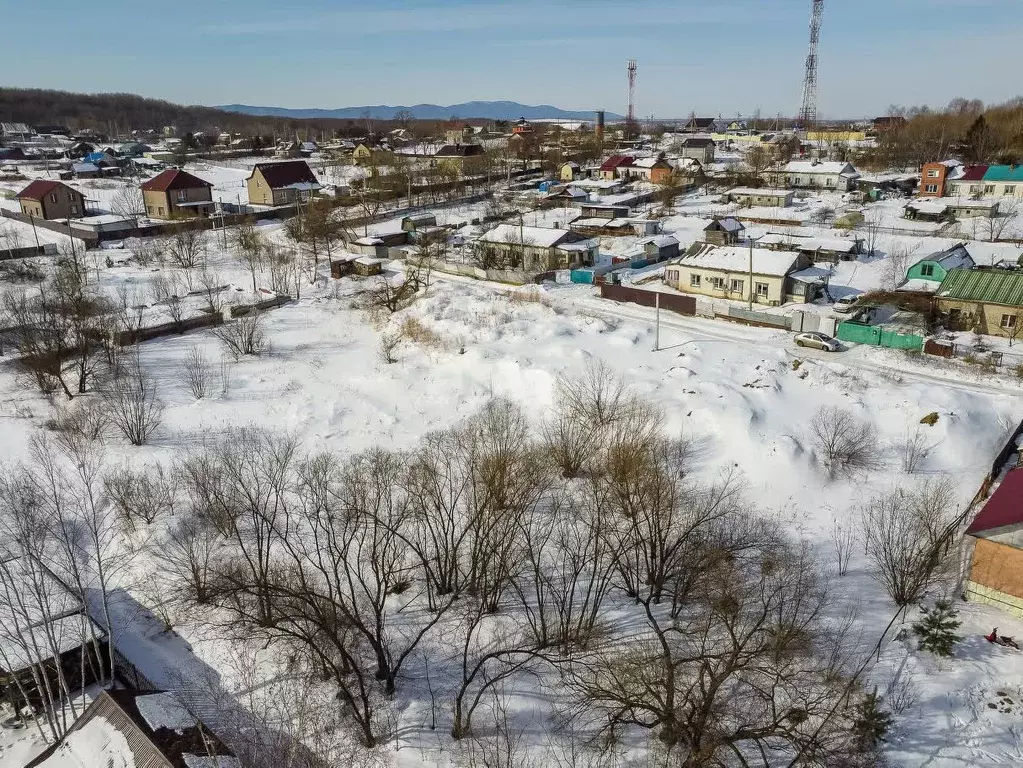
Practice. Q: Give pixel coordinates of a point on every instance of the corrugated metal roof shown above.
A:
(1005, 507)
(1004, 173)
(973, 173)
(987, 286)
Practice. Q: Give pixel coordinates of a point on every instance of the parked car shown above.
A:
(845, 304)
(819, 341)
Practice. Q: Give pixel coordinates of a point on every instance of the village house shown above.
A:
(536, 249)
(281, 183)
(700, 125)
(177, 194)
(288, 149)
(657, 248)
(570, 171)
(966, 181)
(457, 155)
(697, 148)
(156, 730)
(996, 560)
(616, 167)
(46, 199)
(996, 181)
(817, 248)
(986, 301)
(726, 231)
(935, 176)
(725, 273)
(929, 272)
(749, 197)
(522, 126)
(653, 169)
(814, 174)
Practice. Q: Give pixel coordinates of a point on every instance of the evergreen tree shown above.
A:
(936, 629)
(870, 722)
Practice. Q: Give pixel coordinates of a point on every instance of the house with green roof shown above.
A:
(988, 301)
(1004, 181)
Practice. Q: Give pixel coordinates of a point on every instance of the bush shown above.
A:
(243, 336)
(140, 496)
(133, 405)
(936, 629)
(842, 440)
(413, 329)
(82, 418)
(198, 373)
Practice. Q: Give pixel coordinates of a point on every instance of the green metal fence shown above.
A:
(875, 335)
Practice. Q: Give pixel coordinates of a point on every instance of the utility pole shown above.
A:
(657, 327)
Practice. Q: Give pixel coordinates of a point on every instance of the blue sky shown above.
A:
(708, 56)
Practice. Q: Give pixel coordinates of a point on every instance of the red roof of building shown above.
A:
(285, 174)
(173, 178)
(616, 161)
(1005, 507)
(974, 173)
(39, 189)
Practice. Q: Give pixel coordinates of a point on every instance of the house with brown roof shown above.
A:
(456, 155)
(177, 194)
(46, 199)
(996, 565)
(281, 183)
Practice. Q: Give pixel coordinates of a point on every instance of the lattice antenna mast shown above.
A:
(808, 110)
(632, 91)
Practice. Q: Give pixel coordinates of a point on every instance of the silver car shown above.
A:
(819, 341)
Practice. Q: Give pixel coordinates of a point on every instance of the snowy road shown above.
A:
(679, 329)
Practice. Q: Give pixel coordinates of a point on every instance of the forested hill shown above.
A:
(117, 113)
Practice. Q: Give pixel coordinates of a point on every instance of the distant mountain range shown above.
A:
(483, 110)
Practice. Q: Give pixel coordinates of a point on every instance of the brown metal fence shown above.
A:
(683, 305)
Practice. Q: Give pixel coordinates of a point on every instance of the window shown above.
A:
(927, 270)
(694, 280)
(717, 282)
(736, 285)
(160, 211)
(956, 189)
(1009, 322)
(53, 197)
(1010, 189)
(974, 189)
(932, 174)
(831, 182)
(74, 210)
(796, 181)
(989, 189)
(931, 188)
(761, 289)
(182, 195)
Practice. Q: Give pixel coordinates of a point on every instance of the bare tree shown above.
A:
(129, 203)
(188, 247)
(843, 540)
(998, 223)
(252, 245)
(140, 496)
(198, 373)
(134, 406)
(842, 440)
(914, 448)
(212, 286)
(907, 535)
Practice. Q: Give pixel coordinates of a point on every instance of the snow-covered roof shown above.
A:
(836, 244)
(827, 167)
(737, 259)
(728, 224)
(369, 241)
(512, 234)
(919, 285)
(207, 761)
(647, 162)
(935, 209)
(661, 241)
(761, 192)
(164, 710)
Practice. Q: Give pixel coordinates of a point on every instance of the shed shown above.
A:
(724, 231)
(367, 266)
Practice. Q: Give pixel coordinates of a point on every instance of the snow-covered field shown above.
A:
(744, 396)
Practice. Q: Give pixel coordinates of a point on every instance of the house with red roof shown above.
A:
(616, 167)
(967, 183)
(996, 568)
(177, 194)
(45, 199)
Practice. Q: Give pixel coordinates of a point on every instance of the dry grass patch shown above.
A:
(414, 330)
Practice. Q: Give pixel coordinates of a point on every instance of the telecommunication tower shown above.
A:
(632, 91)
(808, 110)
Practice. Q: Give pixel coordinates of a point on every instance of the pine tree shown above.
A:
(870, 722)
(936, 629)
